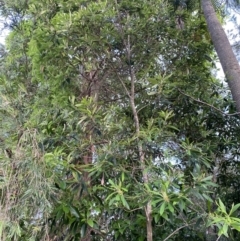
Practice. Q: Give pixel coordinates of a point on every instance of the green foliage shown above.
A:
(71, 166)
(224, 220)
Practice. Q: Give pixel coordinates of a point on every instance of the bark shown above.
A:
(224, 50)
(131, 94)
(148, 207)
(90, 89)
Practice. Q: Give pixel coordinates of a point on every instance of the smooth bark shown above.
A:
(224, 50)
(131, 94)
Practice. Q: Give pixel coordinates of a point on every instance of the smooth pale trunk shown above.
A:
(224, 50)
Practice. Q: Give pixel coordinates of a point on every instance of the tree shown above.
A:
(224, 50)
(115, 92)
(219, 38)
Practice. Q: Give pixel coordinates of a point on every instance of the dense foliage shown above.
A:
(114, 126)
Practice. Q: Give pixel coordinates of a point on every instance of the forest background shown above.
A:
(114, 125)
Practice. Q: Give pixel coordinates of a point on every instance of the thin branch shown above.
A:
(209, 105)
(124, 86)
(170, 235)
(219, 237)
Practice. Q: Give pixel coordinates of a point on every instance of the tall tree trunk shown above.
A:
(148, 207)
(131, 94)
(90, 89)
(224, 50)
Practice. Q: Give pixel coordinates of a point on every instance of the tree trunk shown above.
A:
(148, 207)
(224, 50)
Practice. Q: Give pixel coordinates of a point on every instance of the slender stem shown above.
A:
(209, 105)
(170, 235)
(219, 237)
(148, 207)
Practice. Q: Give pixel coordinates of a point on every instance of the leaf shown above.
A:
(110, 195)
(162, 208)
(59, 214)
(74, 226)
(111, 201)
(181, 205)
(215, 220)
(62, 184)
(76, 176)
(237, 220)
(156, 218)
(146, 185)
(222, 207)
(111, 182)
(173, 127)
(83, 230)
(66, 209)
(165, 216)
(236, 226)
(170, 207)
(90, 222)
(209, 178)
(74, 211)
(124, 202)
(234, 208)
(122, 176)
(207, 197)
(225, 229)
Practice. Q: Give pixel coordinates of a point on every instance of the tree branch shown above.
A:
(209, 105)
(170, 235)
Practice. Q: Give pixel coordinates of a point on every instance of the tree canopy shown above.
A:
(114, 126)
